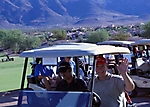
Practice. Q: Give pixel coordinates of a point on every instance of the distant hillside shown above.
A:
(48, 13)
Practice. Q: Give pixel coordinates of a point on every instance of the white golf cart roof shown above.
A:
(142, 42)
(78, 44)
(76, 49)
(115, 42)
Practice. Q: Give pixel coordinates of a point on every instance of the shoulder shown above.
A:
(38, 65)
(117, 79)
(80, 81)
(81, 85)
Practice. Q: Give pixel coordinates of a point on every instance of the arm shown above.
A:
(122, 68)
(129, 84)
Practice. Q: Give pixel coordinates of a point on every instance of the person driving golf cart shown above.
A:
(69, 82)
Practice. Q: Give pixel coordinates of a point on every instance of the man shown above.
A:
(43, 74)
(111, 88)
(69, 82)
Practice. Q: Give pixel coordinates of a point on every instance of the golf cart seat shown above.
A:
(31, 79)
(139, 62)
(145, 67)
(144, 70)
(141, 73)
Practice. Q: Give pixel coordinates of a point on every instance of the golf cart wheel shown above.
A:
(96, 100)
(3, 60)
(133, 93)
(11, 59)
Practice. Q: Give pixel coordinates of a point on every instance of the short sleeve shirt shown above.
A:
(43, 70)
(111, 91)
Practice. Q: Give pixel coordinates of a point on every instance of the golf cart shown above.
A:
(4, 54)
(141, 75)
(118, 57)
(117, 43)
(43, 98)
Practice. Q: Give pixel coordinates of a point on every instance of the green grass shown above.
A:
(11, 73)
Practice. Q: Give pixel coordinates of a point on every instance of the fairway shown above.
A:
(11, 73)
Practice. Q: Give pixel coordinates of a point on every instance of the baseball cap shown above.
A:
(64, 66)
(100, 60)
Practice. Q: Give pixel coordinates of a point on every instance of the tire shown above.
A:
(12, 59)
(96, 100)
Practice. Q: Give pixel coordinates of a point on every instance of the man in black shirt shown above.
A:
(69, 82)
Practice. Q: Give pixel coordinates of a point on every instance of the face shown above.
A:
(67, 59)
(66, 75)
(101, 69)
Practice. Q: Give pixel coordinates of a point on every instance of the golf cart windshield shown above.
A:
(55, 99)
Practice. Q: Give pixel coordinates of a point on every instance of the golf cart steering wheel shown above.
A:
(96, 100)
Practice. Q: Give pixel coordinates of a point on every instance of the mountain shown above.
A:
(53, 13)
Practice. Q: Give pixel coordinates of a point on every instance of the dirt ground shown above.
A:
(9, 99)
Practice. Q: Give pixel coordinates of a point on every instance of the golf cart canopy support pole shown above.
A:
(24, 73)
(116, 59)
(77, 66)
(147, 53)
(93, 79)
(93, 75)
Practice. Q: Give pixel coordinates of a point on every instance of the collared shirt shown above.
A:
(75, 85)
(111, 91)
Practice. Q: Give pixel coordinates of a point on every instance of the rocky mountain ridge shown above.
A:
(48, 13)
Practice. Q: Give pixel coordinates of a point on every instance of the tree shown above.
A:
(32, 42)
(120, 36)
(97, 36)
(146, 33)
(17, 42)
(59, 34)
(12, 39)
